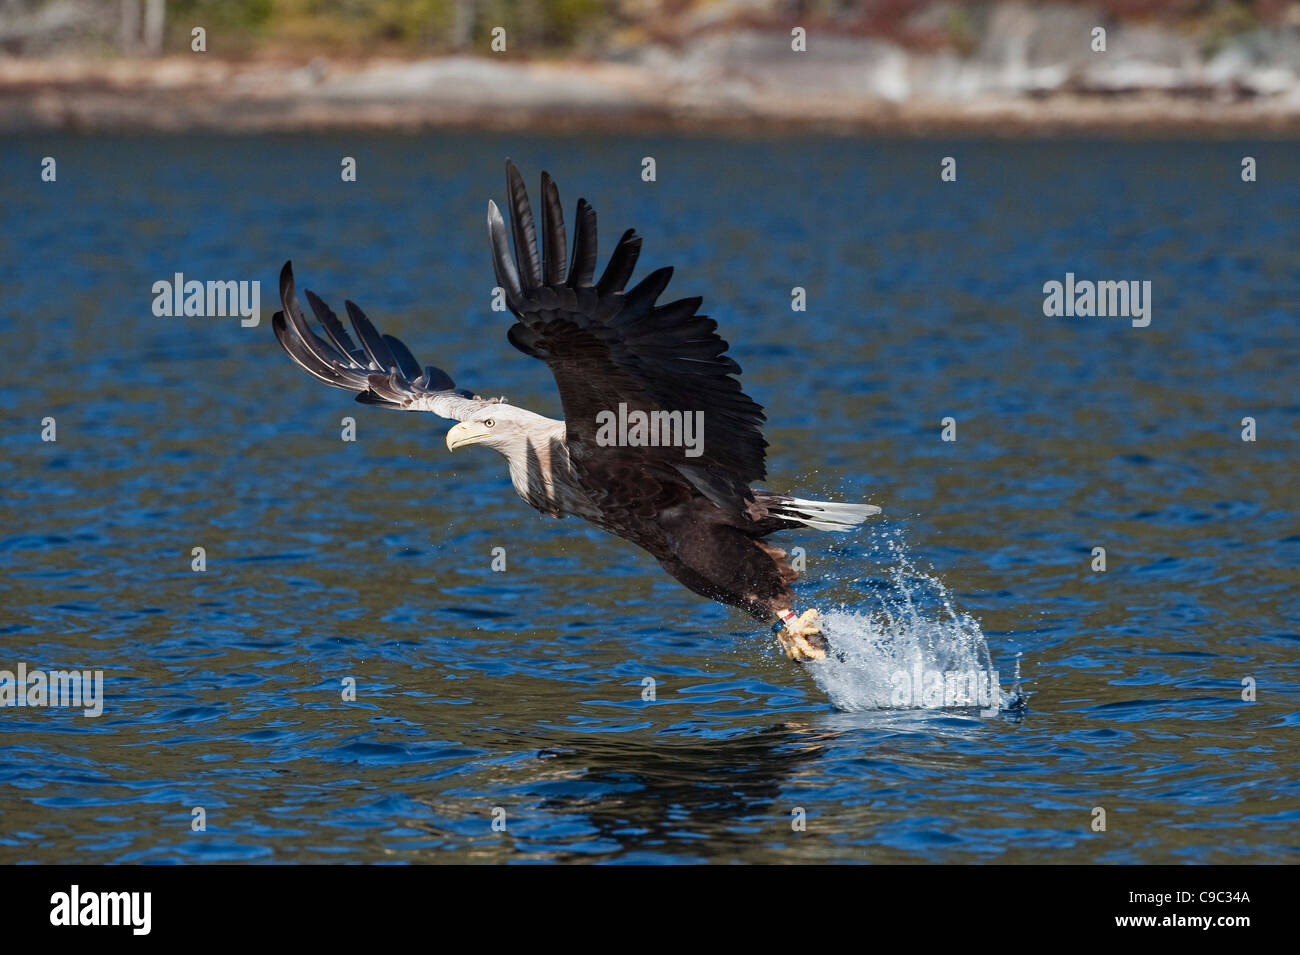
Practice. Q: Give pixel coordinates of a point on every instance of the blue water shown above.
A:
(522, 690)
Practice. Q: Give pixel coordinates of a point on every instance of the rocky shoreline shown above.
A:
(734, 81)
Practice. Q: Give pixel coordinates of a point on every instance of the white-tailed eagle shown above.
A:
(659, 445)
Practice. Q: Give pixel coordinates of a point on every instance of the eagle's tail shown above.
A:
(820, 515)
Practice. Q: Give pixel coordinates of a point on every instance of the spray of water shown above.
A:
(909, 648)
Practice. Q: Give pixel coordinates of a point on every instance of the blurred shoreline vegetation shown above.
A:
(387, 27)
(295, 28)
(549, 28)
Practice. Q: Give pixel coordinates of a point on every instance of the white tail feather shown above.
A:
(823, 515)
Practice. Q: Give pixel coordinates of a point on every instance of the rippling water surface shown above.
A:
(523, 689)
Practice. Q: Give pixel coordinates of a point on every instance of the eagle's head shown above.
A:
(501, 427)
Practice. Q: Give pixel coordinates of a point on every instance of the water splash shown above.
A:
(910, 648)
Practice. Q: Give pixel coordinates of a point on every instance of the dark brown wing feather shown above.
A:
(608, 345)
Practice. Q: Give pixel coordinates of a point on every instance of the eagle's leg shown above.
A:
(800, 637)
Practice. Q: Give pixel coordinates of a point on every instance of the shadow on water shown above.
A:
(659, 797)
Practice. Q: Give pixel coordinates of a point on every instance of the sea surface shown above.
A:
(349, 679)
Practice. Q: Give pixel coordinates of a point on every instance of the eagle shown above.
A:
(659, 445)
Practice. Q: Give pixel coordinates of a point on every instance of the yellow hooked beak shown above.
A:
(467, 432)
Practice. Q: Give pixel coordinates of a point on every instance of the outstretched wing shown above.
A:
(607, 346)
(382, 371)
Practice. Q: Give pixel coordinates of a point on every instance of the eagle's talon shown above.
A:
(802, 639)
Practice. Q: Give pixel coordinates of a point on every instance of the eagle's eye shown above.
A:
(489, 423)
